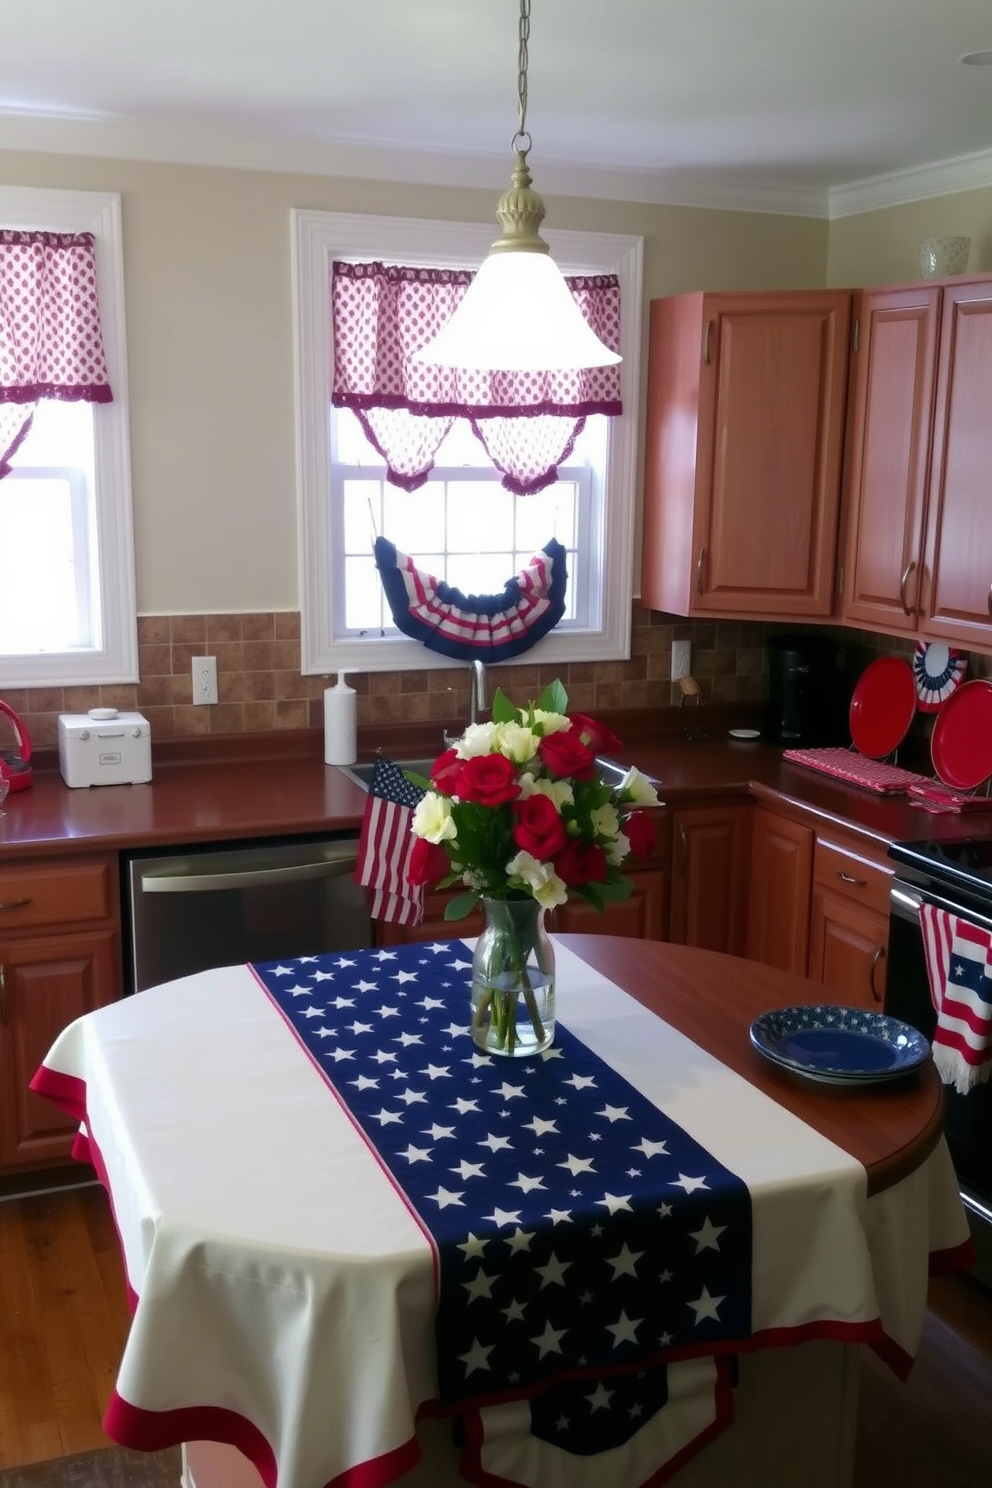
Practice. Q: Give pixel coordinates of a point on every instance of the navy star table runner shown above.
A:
(577, 1230)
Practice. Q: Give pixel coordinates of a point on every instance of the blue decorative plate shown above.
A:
(839, 1045)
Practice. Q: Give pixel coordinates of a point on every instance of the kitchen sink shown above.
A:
(609, 771)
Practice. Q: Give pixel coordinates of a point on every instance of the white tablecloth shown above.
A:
(283, 1290)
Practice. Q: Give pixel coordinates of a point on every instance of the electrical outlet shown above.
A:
(681, 659)
(204, 679)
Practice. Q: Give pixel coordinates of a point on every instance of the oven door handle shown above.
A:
(338, 861)
(906, 905)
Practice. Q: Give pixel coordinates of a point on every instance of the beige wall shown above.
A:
(883, 247)
(207, 272)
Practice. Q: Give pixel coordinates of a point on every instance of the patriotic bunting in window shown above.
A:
(50, 340)
(527, 421)
(487, 627)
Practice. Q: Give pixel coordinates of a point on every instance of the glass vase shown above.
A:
(513, 980)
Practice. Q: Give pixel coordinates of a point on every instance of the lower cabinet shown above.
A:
(820, 907)
(60, 957)
(710, 851)
(641, 916)
(781, 881)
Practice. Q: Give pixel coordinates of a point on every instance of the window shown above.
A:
(67, 605)
(345, 500)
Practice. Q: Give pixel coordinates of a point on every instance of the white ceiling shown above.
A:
(783, 104)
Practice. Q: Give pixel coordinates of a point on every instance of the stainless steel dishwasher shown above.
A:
(189, 909)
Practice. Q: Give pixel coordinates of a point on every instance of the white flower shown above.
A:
(551, 723)
(637, 788)
(432, 818)
(558, 791)
(478, 738)
(616, 849)
(516, 741)
(605, 820)
(540, 878)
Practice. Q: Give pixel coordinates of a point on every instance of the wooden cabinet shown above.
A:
(849, 923)
(642, 916)
(709, 869)
(780, 888)
(918, 551)
(60, 957)
(745, 434)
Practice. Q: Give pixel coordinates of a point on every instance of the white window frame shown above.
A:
(320, 237)
(115, 658)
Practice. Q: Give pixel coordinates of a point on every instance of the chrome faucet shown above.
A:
(476, 700)
(477, 691)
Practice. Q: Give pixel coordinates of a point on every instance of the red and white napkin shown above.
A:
(959, 965)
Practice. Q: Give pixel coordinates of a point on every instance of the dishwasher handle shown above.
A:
(341, 858)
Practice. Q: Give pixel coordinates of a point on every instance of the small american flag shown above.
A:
(959, 966)
(386, 844)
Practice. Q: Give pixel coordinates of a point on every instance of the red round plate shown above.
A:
(882, 706)
(961, 742)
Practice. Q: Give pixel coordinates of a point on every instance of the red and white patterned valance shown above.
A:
(50, 340)
(527, 421)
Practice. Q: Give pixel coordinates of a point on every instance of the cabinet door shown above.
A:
(743, 454)
(894, 369)
(957, 597)
(709, 898)
(46, 984)
(641, 916)
(847, 950)
(781, 883)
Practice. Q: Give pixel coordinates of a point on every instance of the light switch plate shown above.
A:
(681, 659)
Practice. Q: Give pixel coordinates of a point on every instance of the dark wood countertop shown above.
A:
(243, 793)
(890, 1129)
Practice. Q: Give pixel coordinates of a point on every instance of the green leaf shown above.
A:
(502, 710)
(554, 698)
(460, 906)
(614, 892)
(420, 781)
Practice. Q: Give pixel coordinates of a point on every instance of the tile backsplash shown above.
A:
(260, 687)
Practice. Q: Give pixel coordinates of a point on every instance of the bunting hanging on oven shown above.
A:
(468, 627)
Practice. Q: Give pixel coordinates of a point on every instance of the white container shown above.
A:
(340, 723)
(104, 747)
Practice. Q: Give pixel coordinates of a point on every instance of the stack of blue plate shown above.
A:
(839, 1045)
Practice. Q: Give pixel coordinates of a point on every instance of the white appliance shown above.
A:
(104, 747)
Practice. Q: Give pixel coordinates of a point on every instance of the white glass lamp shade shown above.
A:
(517, 315)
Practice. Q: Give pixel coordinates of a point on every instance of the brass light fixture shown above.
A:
(518, 313)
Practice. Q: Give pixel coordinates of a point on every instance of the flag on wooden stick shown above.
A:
(385, 846)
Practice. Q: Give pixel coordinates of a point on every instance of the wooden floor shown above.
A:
(63, 1320)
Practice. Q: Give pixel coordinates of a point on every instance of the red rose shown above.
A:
(580, 863)
(594, 735)
(488, 780)
(428, 862)
(565, 754)
(538, 828)
(446, 770)
(640, 832)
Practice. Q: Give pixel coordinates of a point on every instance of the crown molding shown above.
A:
(200, 142)
(897, 188)
(208, 143)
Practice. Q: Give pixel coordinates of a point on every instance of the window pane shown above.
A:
(362, 514)
(548, 514)
(364, 603)
(38, 590)
(480, 515)
(412, 519)
(481, 573)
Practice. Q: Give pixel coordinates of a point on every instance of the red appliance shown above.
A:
(15, 764)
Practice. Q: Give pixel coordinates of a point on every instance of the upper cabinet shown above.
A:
(918, 552)
(745, 434)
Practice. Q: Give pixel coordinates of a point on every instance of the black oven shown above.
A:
(955, 876)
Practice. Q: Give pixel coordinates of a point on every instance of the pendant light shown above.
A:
(518, 313)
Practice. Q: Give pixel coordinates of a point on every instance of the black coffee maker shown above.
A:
(805, 692)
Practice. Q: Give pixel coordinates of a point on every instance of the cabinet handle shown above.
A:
(989, 601)
(871, 973)
(862, 883)
(3, 999)
(699, 570)
(683, 851)
(706, 342)
(902, 587)
(14, 903)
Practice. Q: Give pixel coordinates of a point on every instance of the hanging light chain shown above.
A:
(517, 143)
